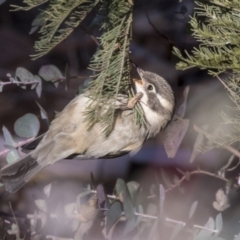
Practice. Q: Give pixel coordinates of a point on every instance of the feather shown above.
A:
(15, 175)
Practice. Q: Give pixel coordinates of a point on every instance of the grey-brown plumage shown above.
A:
(68, 133)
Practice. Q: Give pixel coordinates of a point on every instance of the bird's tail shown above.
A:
(15, 175)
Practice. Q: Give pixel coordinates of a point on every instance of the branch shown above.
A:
(17, 146)
(225, 146)
(18, 83)
(195, 173)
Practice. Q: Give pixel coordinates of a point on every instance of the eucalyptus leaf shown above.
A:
(204, 233)
(37, 22)
(153, 232)
(174, 134)
(103, 201)
(8, 139)
(165, 178)
(69, 208)
(24, 75)
(182, 109)
(12, 156)
(198, 144)
(27, 126)
(50, 73)
(113, 214)
(67, 76)
(39, 85)
(42, 112)
(237, 237)
(193, 209)
(133, 188)
(219, 223)
(120, 187)
(41, 204)
(161, 197)
(124, 196)
(47, 189)
(130, 225)
(176, 231)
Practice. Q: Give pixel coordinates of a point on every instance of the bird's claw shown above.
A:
(132, 101)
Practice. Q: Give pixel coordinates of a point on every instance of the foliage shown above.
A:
(110, 63)
(216, 26)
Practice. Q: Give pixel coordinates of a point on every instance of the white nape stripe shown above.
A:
(164, 102)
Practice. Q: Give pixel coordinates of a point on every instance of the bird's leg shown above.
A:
(132, 101)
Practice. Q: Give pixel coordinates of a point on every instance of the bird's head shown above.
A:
(158, 100)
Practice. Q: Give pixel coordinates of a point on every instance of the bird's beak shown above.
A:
(138, 81)
(141, 73)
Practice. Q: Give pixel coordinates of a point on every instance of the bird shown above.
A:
(69, 134)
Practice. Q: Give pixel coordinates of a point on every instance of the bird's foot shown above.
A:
(132, 101)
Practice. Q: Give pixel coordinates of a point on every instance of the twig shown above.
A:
(109, 196)
(18, 83)
(171, 44)
(17, 230)
(194, 173)
(17, 146)
(175, 221)
(145, 215)
(92, 36)
(205, 228)
(227, 147)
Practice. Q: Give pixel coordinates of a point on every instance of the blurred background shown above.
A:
(151, 49)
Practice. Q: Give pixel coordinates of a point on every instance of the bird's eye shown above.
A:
(150, 88)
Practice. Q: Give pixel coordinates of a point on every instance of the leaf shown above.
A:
(123, 194)
(39, 85)
(237, 237)
(47, 190)
(205, 234)
(113, 214)
(193, 209)
(134, 222)
(24, 75)
(130, 225)
(219, 223)
(102, 198)
(41, 204)
(42, 112)
(165, 178)
(37, 22)
(120, 188)
(12, 156)
(67, 77)
(50, 73)
(173, 135)
(161, 197)
(176, 231)
(1, 88)
(3, 230)
(222, 201)
(182, 109)
(88, 211)
(33, 223)
(27, 126)
(153, 231)
(198, 144)
(133, 188)
(8, 139)
(151, 209)
(2, 1)
(69, 208)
